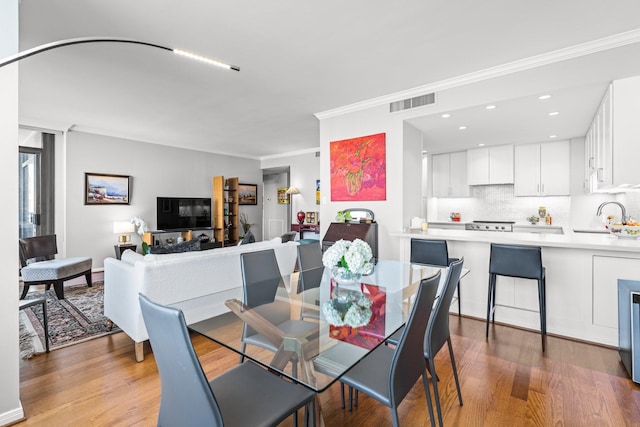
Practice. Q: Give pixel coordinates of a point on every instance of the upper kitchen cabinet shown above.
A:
(490, 165)
(449, 175)
(542, 169)
(611, 138)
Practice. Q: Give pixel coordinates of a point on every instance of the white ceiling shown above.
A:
(301, 58)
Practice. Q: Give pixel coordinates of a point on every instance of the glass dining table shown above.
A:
(352, 320)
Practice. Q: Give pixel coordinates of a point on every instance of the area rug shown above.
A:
(77, 318)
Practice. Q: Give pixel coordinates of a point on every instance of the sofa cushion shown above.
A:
(130, 257)
(188, 246)
(55, 269)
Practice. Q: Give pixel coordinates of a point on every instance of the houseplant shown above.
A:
(244, 222)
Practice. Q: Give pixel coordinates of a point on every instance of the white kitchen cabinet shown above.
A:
(542, 169)
(450, 175)
(606, 272)
(612, 136)
(490, 165)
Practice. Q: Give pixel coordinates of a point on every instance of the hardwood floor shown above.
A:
(506, 381)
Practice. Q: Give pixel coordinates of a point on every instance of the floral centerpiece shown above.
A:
(354, 311)
(348, 261)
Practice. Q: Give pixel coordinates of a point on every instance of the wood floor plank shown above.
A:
(506, 380)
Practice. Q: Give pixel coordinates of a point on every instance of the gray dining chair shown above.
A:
(523, 262)
(310, 274)
(26, 303)
(246, 395)
(438, 332)
(436, 253)
(261, 278)
(387, 374)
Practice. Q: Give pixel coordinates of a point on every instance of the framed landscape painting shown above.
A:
(104, 189)
(247, 194)
(358, 168)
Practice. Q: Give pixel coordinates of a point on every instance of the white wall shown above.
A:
(304, 170)
(157, 170)
(391, 213)
(10, 407)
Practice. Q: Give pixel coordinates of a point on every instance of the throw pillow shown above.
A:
(188, 246)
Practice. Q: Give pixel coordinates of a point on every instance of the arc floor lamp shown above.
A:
(83, 40)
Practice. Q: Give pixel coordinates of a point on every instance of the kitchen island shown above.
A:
(582, 272)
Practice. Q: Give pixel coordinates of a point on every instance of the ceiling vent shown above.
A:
(418, 101)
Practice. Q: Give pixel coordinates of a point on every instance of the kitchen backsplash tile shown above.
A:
(498, 202)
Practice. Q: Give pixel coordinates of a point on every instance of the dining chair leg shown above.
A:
(436, 395)
(394, 416)
(350, 398)
(342, 394)
(490, 302)
(459, 300)
(45, 322)
(427, 393)
(455, 370)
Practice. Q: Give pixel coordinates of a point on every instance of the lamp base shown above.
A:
(301, 215)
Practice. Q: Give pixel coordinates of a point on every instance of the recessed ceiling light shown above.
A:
(553, 136)
(554, 113)
(446, 116)
(490, 107)
(543, 97)
(480, 145)
(462, 127)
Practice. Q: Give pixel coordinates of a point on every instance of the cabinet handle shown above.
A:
(542, 189)
(600, 174)
(537, 188)
(591, 161)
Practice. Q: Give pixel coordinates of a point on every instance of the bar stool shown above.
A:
(524, 262)
(433, 252)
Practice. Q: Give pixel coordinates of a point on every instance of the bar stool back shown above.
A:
(517, 261)
(433, 252)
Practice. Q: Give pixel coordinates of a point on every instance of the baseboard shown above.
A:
(13, 416)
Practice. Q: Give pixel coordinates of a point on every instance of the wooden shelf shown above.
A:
(225, 210)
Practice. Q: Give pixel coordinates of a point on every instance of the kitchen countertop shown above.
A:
(591, 241)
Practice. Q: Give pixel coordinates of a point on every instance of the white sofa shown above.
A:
(197, 282)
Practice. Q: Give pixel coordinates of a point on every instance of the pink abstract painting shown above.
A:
(358, 168)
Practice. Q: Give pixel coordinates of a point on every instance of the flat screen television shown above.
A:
(183, 212)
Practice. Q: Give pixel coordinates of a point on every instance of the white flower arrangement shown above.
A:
(354, 256)
(356, 313)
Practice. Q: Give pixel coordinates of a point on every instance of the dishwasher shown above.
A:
(629, 326)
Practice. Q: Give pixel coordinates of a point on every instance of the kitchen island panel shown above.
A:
(580, 304)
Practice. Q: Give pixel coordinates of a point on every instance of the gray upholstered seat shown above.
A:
(246, 395)
(524, 262)
(310, 276)
(388, 374)
(39, 267)
(261, 278)
(433, 252)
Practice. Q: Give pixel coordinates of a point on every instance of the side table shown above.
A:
(121, 248)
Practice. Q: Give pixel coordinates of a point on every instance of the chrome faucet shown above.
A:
(622, 208)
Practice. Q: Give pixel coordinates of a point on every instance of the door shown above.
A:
(36, 184)
(276, 216)
(29, 206)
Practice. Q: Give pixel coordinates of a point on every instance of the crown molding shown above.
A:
(95, 131)
(290, 153)
(595, 46)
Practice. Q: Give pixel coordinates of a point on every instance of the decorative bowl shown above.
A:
(625, 231)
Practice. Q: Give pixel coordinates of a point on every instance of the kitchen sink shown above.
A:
(591, 230)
